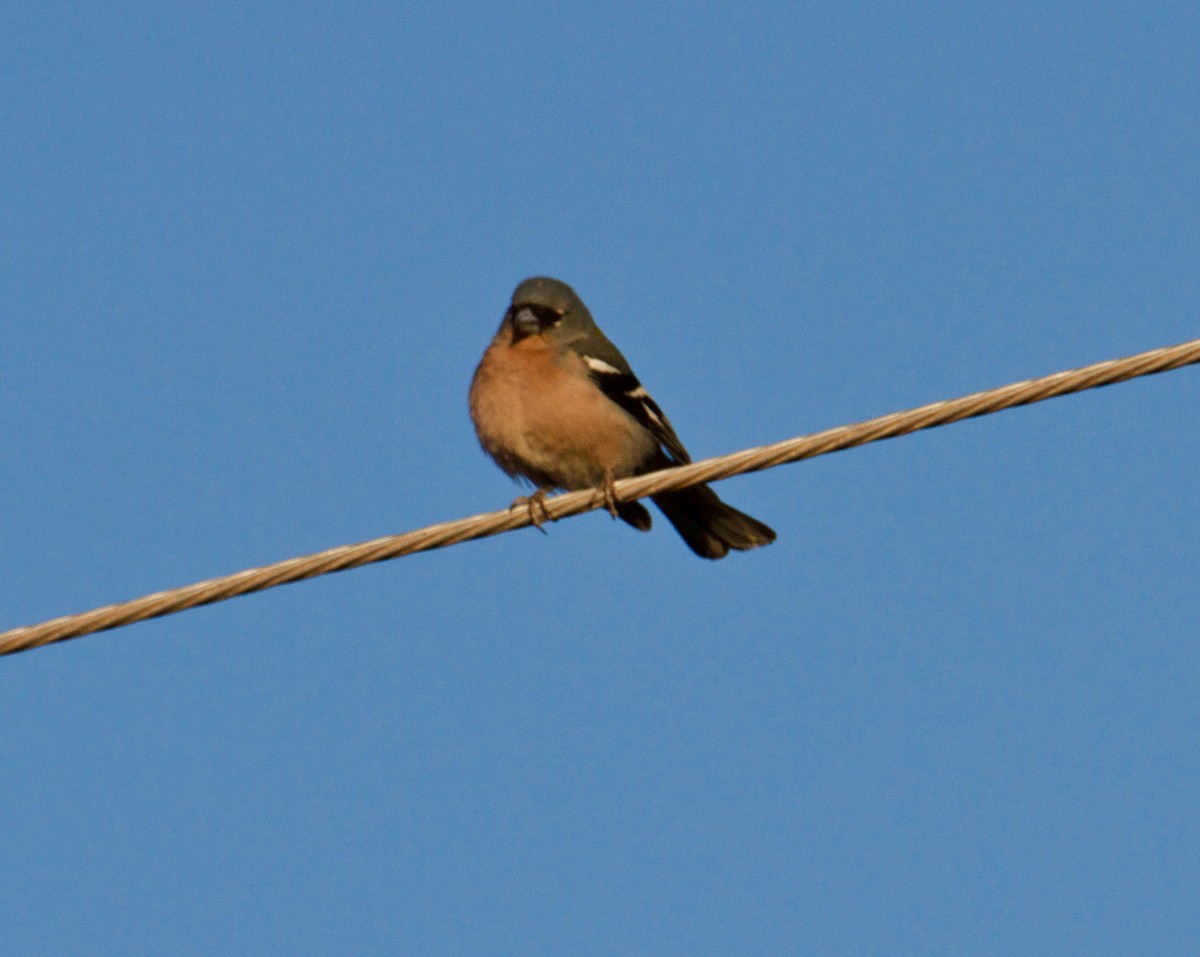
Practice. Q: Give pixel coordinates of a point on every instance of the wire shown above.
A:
(573, 503)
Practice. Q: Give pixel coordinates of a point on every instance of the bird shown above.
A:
(555, 403)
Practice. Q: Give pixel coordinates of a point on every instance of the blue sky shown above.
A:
(251, 255)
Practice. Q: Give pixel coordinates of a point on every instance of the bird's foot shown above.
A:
(609, 491)
(536, 505)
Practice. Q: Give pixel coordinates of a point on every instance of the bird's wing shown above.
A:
(617, 381)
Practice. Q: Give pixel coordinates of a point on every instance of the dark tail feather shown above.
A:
(636, 514)
(709, 526)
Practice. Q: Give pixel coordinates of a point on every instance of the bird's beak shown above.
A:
(525, 323)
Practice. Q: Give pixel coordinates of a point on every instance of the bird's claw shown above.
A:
(536, 506)
(610, 496)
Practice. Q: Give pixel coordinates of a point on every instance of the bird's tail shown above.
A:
(709, 526)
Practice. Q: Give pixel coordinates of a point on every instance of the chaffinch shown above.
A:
(554, 402)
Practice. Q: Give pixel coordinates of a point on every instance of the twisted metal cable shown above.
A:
(572, 503)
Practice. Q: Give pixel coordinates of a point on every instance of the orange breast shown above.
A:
(538, 414)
